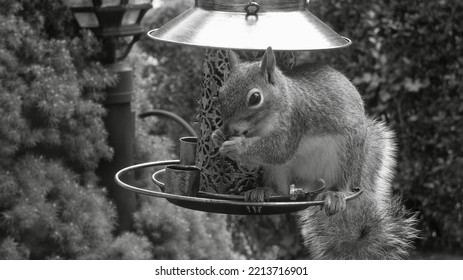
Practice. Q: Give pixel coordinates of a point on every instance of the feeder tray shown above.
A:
(222, 203)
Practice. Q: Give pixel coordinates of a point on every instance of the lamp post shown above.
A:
(117, 24)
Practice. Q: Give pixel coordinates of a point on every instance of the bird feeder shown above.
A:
(248, 28)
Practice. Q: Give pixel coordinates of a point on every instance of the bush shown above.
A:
(52, 138)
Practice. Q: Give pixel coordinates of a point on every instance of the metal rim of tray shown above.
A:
(210, 202)
(280, 198)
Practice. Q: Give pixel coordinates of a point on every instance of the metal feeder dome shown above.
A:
(245, 25)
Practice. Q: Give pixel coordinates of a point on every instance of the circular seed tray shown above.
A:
(219, 203)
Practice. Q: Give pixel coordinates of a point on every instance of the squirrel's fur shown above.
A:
(309, 124)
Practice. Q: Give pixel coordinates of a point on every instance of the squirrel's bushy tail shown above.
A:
(362, 231)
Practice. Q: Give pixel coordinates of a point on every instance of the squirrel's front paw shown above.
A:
(333, 202)
(258, 194)
(232, 148)
(235, 149)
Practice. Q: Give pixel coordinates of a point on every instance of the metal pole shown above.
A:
(120, 125)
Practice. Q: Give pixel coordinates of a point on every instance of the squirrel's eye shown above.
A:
(255, 98)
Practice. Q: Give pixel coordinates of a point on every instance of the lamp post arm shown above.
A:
(178, 119)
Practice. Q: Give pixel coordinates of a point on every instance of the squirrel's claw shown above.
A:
(233, 149)
(259, 194)
(230, 148)
(333, 202)
(218, 137)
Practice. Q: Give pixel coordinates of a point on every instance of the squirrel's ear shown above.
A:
(267, 65)
(233, 59)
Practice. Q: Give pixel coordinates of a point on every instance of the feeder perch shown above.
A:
(248, 28)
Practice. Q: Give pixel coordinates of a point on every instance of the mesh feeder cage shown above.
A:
(247, 28)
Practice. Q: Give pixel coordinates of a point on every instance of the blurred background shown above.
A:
(406, 60)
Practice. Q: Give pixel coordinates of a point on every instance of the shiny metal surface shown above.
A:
(182, 180)
(159, 176)
(188, 150)
(245, 25)
(221, 204)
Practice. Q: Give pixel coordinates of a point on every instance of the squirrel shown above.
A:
(309, 125)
